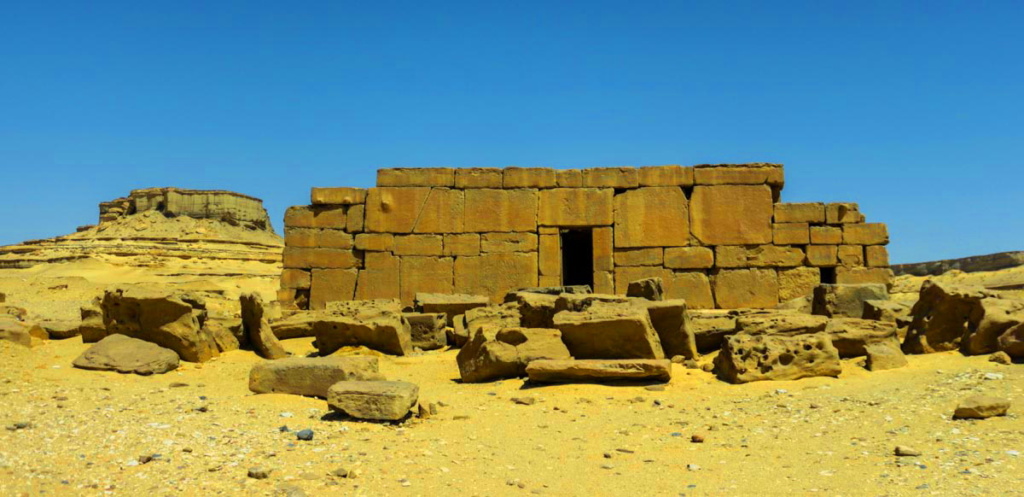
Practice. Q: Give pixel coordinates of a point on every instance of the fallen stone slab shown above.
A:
(311, 376)
(495, 316)
(225, 333)
(536, 310)
(672, 323)
(609, 331)
(24, 334)
(845, 300)
(981, 407)
(787, 323)
(60, 330)
(582, 302)
(745, 358)
(256, 328)
(427, 330)
(127, 355)
(711, 327)
(498, 353)
(373, 400)
(883, 355)
(598, 371)
(170, 321)
(297, 325)
(647, 288)
(558, 290)
(851, 336)
(450, 304)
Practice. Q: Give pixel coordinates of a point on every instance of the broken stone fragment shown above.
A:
(647, 288)
(610, 331)
(373, 400)
(495, 353)
(536, 310)
(599, 371)
(171, 321)
(127, 355)
(884, 355)
(311, 376)
(427, 330)
(846, 300)
(257, 328)
(672, 323)
(981, 407)
(745, 358)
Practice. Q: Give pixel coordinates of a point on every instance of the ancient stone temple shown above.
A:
(716, 235)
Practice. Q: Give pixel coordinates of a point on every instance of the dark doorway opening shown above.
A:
(828, 275)
(578, 257)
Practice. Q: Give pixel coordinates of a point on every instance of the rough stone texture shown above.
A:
(738, 174)
(611, 177)
(449, 304)
(843, 213)
(375, 242)
(826, 235)
(427, 330)
(852, 336)
(461, 244)
(851, 255)
(337, 196)
(845, 300)
(731, 214)
(604, 258)
(692, 286)
(528, 177)
(296, 279)
(609, 331)
(495, 353)
(329, 285)
(800, 213)
(493, 274)
(317, 237)
(257, 328)
(376, 324)
(652, 217)
(24, 334)
(672, 175)
(822, 255)
(990, 319)
(647, 288)
(506, 243)
(495, 316)
(380, 277)
(791, 233)
(568, 178)
(876, 256)
(981, 407)
(478, 177)
(780, 323)
(1012, 342)
(92, 328)
(576, 207)
(373, 400)
(753, 288)
(416, 176)
(967, 318)
(689, 257)
(325, 258)
(710, 327)
(393, 210)
(626, 274)
(60, 330)
(759, 256)
(501, 210)
(672, 323)
(884, 355)
(745, 358)
(537, 310)
(127, 355)
(892, 311)
(599, 371)
(419, 245)
(798, 282)
(171, 321)
(639, 257)
(579, 302)
(311, 376)
(315, 216)
(425, 275)
(865, 234)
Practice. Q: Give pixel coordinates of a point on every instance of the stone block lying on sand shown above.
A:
(981, 407)
(610, 331)
(450, 304)
(127, 355)
(171, 321)
(599, 371)
(311, 376)
(495, 353)
(672, 323)
(745, 358)
(373, 400)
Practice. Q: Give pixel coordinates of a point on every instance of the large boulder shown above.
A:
(967, 318)
(711, 327)
(296, 325)
(745, 358)
(1012, 342)
(599, 371)
(609, 331)
(495, 353)
(373, 400)
(311, 376)
(427, 330)
(450, 304)
(845, 300)
(171, 321)
(849, 335)
(24, 334)
(127, 355)
(376, 324)
(780, 323)
(495, 316)
(884, 355)
(672, 323)
(536, 310)
(647, 288)
(256, 328)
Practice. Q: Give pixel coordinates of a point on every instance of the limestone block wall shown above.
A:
(716, 234)
(220, 205)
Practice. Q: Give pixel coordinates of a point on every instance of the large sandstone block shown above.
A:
(295, 279)
(323, 258)
(394, 210)
(317, 237)
(732, 214)
(568, 178)
(800, 213)
(576, 207)
(692, 286)
(127, 355)
(843, 213)
(822, 255)
(315, 216)
(550, 256)
(861, 275)
(604, 258)
(329, 285)
(498, 353)
(419, 245)
(876, 256)
(738, 174)
(494, 275)
(506, 243)
(418, 176)
(501, 210)
(689, 257)
(450, 305)
(426, 275)
(599, 371)
(791, 233)
(851, 255)
(311, 376)
(798, 282)
(528, 177)
(845, 300)
(427, 330)
(355, 218)
(865, 234)
(461, 244)
(379, 279)
(442, 212)
(337, 196)
(745, 358)
(1012, 341)
(609, 331)
(611, 177)
(760, 256)
(375, 242)
(373, 400)
(672, 175)
(650, 289)
(711, 326)
(991, 319)
(639, 257)
(378, 325)
(625, 275)
(826, 235)
(478, 177)
(852, 336)
(750, 288)
(171, 321)
(604, 282)
(672, 323)
(655, 216)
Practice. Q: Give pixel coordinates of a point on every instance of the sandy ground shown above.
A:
(813, 436)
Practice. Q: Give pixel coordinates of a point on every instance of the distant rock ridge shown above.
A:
(990, 262)
(219, 205)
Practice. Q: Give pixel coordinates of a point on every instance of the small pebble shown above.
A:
(697, 438)
(259, 473)
(904, 451)
(306, 435)
(524, 401)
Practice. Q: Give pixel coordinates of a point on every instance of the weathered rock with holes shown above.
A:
(981, 407)
(427, 330)
(845, 300)
(311, 376)
(599, 371)
(496, 353)
(610, 331)
(171, 321)
(373, 400)
(745, 358)
(257, 328)
(127, 355)
(647, 288)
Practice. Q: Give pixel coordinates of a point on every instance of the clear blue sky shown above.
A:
(913, 109)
